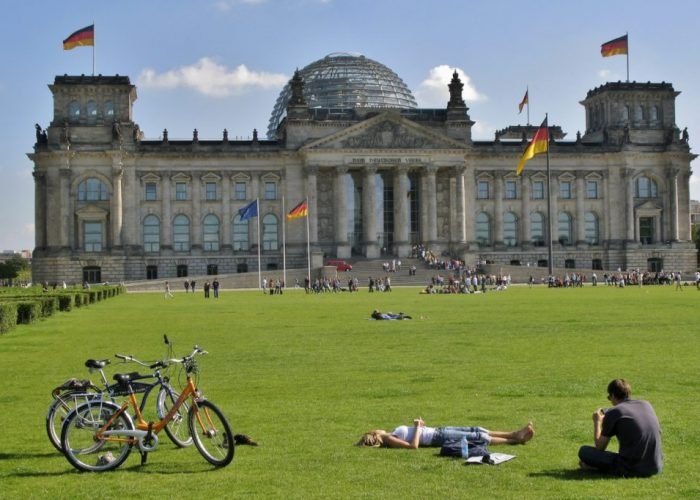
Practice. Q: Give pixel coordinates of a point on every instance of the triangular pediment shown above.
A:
(648, 206)
(385, 131)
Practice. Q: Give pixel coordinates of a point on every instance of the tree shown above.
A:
(10, 269)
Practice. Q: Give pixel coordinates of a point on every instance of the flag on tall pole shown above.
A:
(539, 144)
(249, 211)
(84, 37)
(523, 102)
(301, 210)
(81, 38)
(616, 47)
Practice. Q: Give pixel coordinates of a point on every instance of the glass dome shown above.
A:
(344, 81)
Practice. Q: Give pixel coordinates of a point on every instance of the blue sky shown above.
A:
(215, 64)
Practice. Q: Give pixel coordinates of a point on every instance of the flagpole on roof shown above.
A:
(628, 56)
(94, 42)
(550, 252)
(527, 92)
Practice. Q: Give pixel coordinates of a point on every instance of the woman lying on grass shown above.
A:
(419, 435)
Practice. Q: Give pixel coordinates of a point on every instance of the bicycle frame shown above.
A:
(147, 431)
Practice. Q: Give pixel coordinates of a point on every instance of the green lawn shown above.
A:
(305, 375)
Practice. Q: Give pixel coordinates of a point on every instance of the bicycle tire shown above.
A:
(59, 410)
(177, 428)
(211, 433)
(80, 445)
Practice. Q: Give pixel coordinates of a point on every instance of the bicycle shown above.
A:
(73, 392)
(99, 435)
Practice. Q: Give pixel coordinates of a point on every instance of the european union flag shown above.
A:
(249, 211)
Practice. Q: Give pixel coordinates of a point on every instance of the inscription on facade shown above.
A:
(400, 160)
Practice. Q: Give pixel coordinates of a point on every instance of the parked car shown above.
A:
(340, 265)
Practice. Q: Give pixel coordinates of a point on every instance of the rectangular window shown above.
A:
(538, 190)
(591, 190)
(211, 191)
(511, 190)
(92, 236)
(151, 192)
(270, 191)
(565, 190)
(482, 190)
(180, 191)
(239, 192)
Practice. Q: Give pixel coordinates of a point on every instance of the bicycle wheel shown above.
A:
(211, 433)
(81, 444)
(176, 429)
(59, 409)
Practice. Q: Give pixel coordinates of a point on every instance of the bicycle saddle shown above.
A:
(97, 364)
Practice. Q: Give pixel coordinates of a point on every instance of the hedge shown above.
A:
(8, 316)
(28, 312)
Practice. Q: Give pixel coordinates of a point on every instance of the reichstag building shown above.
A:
(379, 175)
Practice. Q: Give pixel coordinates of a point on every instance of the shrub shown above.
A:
(65, 302)
(28, 312)
(49, 305)
(8, 316)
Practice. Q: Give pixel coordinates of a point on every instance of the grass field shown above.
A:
(306, 375)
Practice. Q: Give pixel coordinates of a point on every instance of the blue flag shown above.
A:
(249, 211)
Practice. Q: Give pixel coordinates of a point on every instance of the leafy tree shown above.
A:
(11, 268)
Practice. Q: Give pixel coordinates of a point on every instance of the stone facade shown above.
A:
(111, 205)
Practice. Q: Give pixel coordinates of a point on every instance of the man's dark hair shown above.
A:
(620, 389)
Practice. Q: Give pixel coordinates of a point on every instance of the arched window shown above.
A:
(591, 225)
(74, 111)
(269, 232)
(181, 233)
(638, 113)
(211, 233)
(483, 228)
(108, 109)
(510, 229)
(240, 234)
(565, 228)
(92, 190)
(645, 187)
(537, 228)
(151, 234)
(625, 114)
(654, 114)
(92, 111)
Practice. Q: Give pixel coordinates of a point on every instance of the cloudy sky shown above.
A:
(215, 64)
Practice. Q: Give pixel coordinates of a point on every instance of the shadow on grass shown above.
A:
(21, 456)
(572, 475)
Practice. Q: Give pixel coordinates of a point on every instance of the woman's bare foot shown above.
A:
(525, 434)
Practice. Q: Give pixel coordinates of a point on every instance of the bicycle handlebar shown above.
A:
(165, 362)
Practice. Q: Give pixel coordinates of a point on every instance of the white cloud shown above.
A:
(210, 78)
(434, 93)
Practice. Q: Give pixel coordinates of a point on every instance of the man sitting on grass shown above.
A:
(636, 427)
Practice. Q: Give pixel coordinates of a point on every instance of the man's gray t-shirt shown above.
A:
(636, 427)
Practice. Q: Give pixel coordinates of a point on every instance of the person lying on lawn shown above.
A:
(419, 435)
(376, 314)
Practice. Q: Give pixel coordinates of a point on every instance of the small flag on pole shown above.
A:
(614, 47)
(249, 211)
(81, 38)
(539, 144)
(301, 210)
(523, 102)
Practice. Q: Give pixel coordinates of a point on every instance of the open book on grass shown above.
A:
(491, 459)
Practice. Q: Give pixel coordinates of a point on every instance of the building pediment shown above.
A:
(91, 211)
(385, 131)
(648, 206)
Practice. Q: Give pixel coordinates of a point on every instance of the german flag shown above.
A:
(614, 47)
(301, 210)
(82, 37)
(526, 100)
(539, 144)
